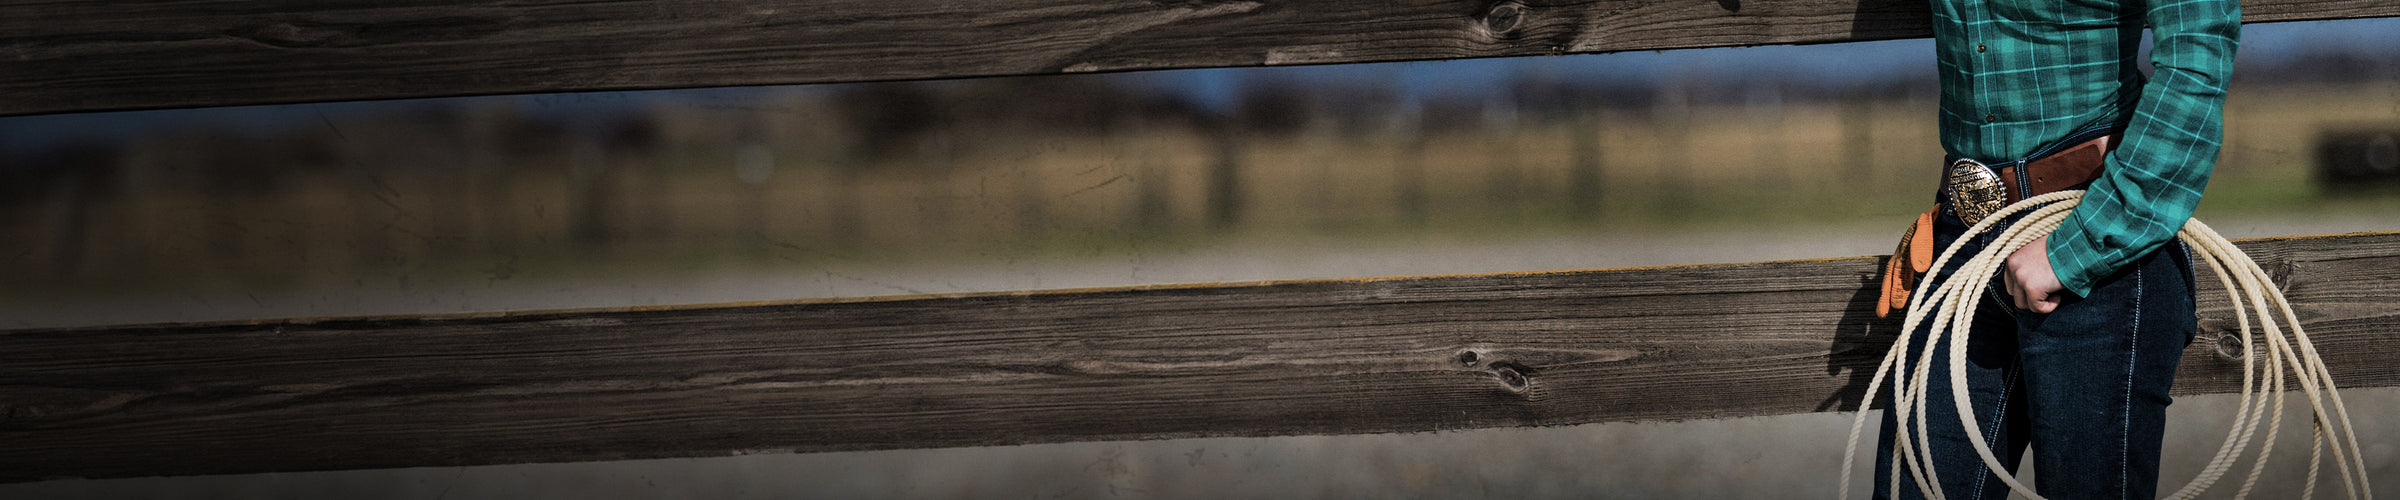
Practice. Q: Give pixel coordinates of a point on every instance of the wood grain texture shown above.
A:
(92, 56)
(1255, 359)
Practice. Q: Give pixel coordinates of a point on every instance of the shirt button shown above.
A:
(1988, 117)
(1979, 47)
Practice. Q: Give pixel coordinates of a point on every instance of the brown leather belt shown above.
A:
(1976, 190)
(2064, 169)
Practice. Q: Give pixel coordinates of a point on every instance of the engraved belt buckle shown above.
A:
(1975, 192)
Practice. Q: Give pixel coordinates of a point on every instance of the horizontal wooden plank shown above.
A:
(90, 56)
(1254, 359)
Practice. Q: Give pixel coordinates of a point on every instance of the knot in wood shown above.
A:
(1513, 376)
(2229, 346)
(1504, 18)
(2280, 272)
(1467, 358)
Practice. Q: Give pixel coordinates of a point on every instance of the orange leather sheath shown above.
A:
(1907, 264)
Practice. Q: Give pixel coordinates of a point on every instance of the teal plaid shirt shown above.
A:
(2018, 75)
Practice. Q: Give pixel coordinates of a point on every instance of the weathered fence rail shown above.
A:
(1241, 359)
(86, 56)
(1249, 359)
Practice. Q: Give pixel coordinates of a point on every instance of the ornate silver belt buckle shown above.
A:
(1975, 192)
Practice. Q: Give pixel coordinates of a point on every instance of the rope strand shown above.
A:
(1951, 303)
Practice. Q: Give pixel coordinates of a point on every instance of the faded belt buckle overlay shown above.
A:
(1975, 192)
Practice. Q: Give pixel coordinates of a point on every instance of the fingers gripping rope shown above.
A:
(1951, 301)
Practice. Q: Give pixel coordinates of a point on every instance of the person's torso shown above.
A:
(2017, 75)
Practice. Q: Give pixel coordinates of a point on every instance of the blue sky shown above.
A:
(1828, 64)
(1818, 63)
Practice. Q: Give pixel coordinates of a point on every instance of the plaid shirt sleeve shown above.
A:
(2153, 178)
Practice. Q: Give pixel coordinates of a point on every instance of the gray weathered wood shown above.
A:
(89, 56)
(1242, 359)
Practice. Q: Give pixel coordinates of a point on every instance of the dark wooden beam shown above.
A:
(90, 56)
(1244, 359)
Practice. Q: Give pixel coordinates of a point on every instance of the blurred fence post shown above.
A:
(1583, 180)
(1504, 184)
(1408, 167)
(1225, 178)
(1858, 136)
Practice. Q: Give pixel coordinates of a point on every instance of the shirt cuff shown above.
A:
(2070, 261)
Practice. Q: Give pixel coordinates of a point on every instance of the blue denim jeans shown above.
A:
(2085, 386)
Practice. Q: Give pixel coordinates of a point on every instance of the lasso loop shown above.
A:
(1951, 301)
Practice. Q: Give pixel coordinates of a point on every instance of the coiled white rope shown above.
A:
(1952, 301)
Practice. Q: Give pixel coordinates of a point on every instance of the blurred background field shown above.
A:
(459, 192)
(616, 199)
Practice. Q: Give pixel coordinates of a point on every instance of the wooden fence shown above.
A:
(1229, 359)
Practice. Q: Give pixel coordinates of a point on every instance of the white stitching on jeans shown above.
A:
(2132, 355)
(2008, 377)
(1992, 293)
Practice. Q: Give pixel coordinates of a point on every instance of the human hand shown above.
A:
(2032, 285)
